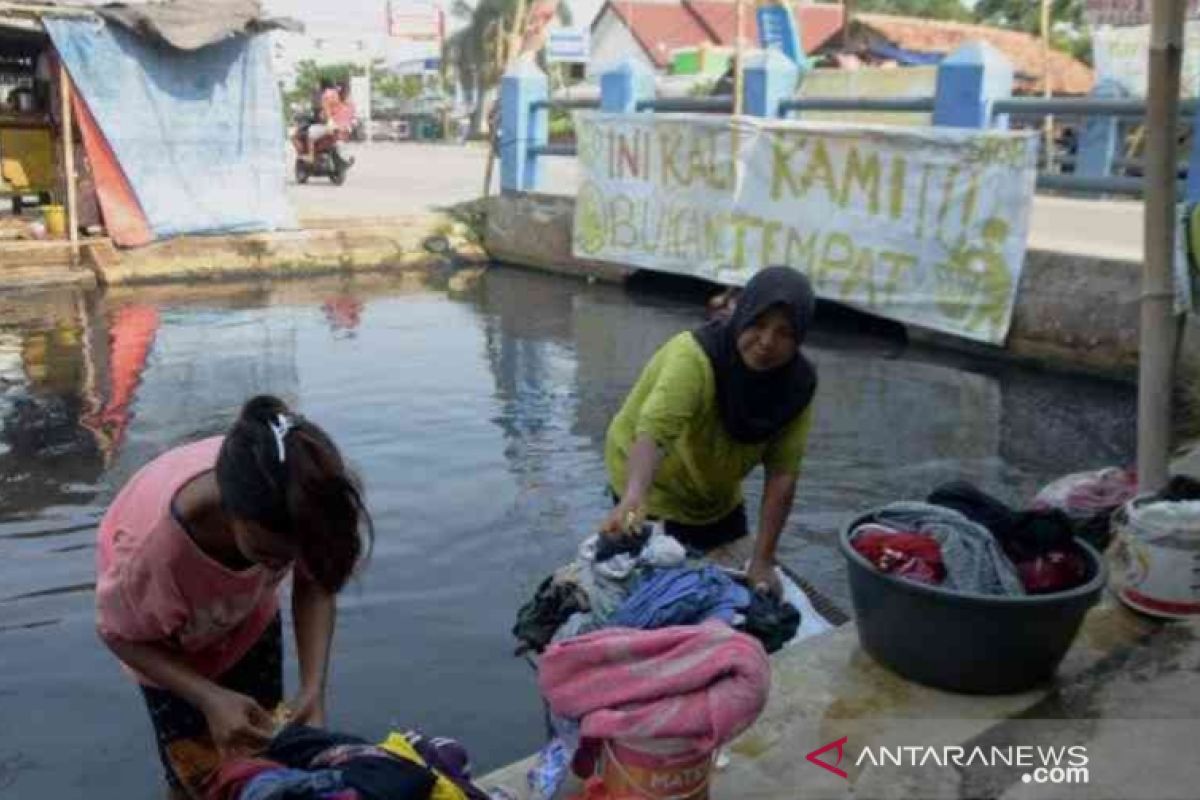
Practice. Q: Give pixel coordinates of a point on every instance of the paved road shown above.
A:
(391, 179)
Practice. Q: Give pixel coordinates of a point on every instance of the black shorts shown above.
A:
(184, 745)
(727, 529)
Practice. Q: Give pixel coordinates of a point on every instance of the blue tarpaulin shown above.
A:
(908, 58)
(199, 134)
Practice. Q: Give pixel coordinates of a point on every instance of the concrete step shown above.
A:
(25, 265)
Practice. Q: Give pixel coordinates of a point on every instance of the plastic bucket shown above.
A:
(962, 641)
(649, 770)
(1156, 562)
(56, 221)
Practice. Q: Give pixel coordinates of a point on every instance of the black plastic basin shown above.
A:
(961, 641)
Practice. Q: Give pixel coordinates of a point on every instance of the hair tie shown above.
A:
(280, 427)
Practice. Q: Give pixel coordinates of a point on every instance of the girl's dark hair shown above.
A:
(308, 493)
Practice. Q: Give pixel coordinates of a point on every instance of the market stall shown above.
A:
(28, 173)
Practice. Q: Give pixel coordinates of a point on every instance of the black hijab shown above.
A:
(755, 406)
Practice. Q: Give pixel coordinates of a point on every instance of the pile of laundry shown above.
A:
(646, 582)
(640, 640)
(965, 540)
(1090, 499)
(305, 763)
(687, 689)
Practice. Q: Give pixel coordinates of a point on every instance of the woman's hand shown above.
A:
(237, 723)
(627, 516)
(762, 577)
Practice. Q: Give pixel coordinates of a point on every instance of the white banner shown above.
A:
(1126, 12)
(1122, 56)
(926, 226)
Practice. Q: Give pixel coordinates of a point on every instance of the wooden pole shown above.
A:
(1158, 330)
(492, 132)
(739, 53)
(68, 139)
(518, 30)
(848, 9)
(1047, 88)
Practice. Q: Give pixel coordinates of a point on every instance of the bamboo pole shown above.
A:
(739, 53)
(1047, 89)
(848, 10)
(493, 132)
(68, 139)
(1158, 331)
(518, 29)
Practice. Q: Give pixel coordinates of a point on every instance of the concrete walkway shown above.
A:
(1128, 692)
(396, 179)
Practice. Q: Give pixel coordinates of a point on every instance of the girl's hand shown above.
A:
(308, 709)
(238, 725)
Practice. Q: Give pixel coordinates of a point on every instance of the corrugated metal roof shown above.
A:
(1068, 75)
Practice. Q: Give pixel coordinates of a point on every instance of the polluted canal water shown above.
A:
(476, 419)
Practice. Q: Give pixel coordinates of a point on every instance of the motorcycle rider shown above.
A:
(325, 113)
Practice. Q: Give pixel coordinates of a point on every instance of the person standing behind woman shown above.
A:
(711, 405)
(190, 555)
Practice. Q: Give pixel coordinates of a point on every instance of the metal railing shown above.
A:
(555, 150)
(566, 104)
(1081, 108)
(718, 104)
(918, 105)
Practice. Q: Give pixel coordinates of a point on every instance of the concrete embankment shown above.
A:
(329, 245)
(1077, 308)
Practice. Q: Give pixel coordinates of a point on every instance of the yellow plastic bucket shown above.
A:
(56, 221)
(634, 771)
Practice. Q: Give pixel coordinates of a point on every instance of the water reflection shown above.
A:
(47, 384)
(477, 421)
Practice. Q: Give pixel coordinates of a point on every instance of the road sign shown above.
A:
(568, 46)
(415, 21)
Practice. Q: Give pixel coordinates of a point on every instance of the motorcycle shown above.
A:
(327, 160)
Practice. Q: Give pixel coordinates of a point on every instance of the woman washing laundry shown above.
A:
(190, 556)
(711, 405)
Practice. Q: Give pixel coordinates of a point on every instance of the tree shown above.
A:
(390, 86)
(478, 50)
(926, 9)
(1068, 33)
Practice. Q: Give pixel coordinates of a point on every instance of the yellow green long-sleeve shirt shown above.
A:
(674, 402)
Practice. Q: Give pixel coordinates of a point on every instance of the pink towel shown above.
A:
(702, 683)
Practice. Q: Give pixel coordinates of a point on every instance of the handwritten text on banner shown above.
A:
(925, 226)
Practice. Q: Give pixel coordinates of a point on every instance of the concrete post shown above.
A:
(524, 125)
(771, 78)
(624, 86)
(969, 80)
(1098, 140)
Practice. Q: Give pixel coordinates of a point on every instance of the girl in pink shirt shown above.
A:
(189, 558)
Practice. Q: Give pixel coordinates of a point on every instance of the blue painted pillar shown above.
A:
(770, 78)
(1098, 140)
(1192, 192)
(523, 125)
(969, 80)
(624, 86)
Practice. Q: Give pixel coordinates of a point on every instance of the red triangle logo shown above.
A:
(839, 745)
